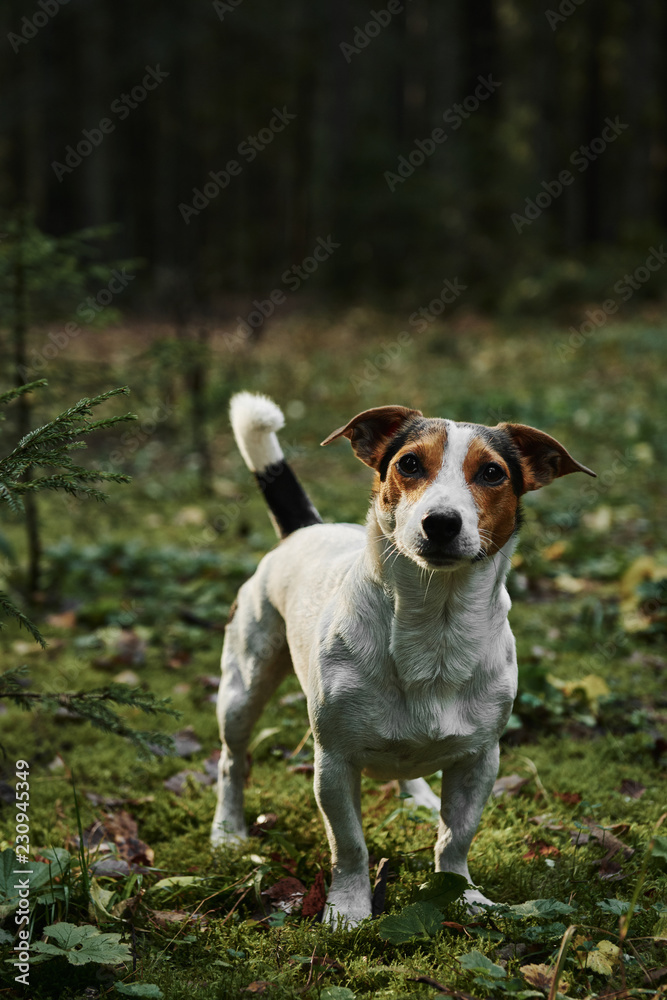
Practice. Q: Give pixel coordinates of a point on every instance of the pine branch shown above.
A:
(95, 707)
(10, 610)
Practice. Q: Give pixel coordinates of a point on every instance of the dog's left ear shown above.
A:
(371, 431)
(543, 459)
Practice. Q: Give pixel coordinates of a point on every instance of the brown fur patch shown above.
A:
(497, 505)
(428, 445)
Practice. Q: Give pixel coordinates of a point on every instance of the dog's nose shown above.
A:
(442, 528)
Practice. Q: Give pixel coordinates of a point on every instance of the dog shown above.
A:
(397, 631)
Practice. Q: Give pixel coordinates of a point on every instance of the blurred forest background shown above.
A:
(361, 85)
(458, 206)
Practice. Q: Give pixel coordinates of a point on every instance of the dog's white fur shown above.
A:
(406, 671)
(255, 420)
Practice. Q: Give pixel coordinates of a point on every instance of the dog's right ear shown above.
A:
(371, 431)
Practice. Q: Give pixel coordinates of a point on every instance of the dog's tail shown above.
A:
(255, 420)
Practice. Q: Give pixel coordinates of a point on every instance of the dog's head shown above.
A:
(449, 493)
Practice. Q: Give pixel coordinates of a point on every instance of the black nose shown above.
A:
(442, 528)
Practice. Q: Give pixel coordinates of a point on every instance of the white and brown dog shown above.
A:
(398, 631)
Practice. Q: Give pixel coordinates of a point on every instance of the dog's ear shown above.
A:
(543, 459)
(370, 432)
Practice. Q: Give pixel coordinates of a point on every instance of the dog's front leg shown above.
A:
(466, 786)
(338, 794)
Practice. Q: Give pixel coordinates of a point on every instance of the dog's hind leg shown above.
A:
(420, 793)
(255, 659)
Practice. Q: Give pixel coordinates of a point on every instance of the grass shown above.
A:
(158, 553)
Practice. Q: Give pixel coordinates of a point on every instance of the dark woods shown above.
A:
(518, 147)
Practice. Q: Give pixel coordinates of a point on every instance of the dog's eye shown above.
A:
(493, 473)
(409, 465)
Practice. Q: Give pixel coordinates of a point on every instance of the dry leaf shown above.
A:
(539, 849)
(66, 620)
(512, 784)
(541, 977)
(315, 898)
(179, 782)
(286, 894)
(632, 788)
(259, 986)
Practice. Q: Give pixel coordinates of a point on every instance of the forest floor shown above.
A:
(138, 590)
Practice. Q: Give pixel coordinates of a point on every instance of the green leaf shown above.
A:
(174, 881)
(660, 849)
(12, 872)
(59, 858)
(139, 990)
(337, 993)
(543, 908)
(100, 899)
(5, 936)
(442, 888)
(83, 944)
(416, 920)
(474, 961)
(617, 907)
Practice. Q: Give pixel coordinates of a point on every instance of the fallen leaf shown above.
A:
(569, 798)
(608, 840)
(569, 584)
(592, 687)
(511, 784)
(554, 551)
(539, 849)
(189, 516)
(64, 620)
(264, 822)
(127, 677)
(452, 925)
(286, 894)
(546, 820)
(315, 898)
(259, 986)
(542, 977)
(186, 743)
(600, 959)
(122, 828)
(179, 782)
(632, 788)
(167, 918)
(380, 887)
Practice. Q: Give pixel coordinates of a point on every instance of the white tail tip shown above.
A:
(255, 420)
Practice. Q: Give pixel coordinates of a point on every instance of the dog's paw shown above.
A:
(345, 910)
(338, 919)
(476, 901)
(221, 837)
